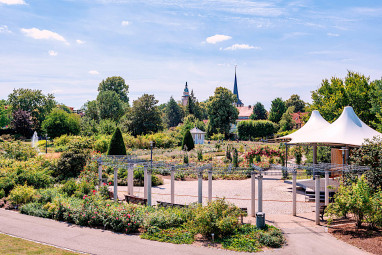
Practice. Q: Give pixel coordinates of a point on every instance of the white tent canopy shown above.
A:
(348, 129)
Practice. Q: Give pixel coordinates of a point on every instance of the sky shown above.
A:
(67, 47)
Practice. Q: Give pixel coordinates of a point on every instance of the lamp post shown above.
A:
(46, 143)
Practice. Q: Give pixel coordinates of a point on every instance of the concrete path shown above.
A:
(302, 236)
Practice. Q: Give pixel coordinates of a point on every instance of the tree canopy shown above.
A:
(221, 111)
(259, 112)
(287, 122)
(109, 105)
(145, 116)
(59, 122)
(296, 102)
(173, 113)
(116, 84)
(277, 110)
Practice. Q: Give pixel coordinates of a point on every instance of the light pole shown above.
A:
(46, 143)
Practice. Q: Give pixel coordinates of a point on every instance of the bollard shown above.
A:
(145, 181)
(260, 193)
(115, 184)
(172, 186)
(149, 187)
(100, 175)
(317, 199)
(260, 220)
(294, 192)
(130, 180)
(210, 186)
(200, 187)
(253, 193)
(326, 188)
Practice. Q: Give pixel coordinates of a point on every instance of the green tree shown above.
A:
(144, 116)
(188, 141)
(278, 108)
(355, 90)
(287, 122)
(90, 109)
(116, 84)
(174, 113)
(376, 103)
(33, 101)
(221, 111)
(297, 102)
(117, 145)
(109, 105)
(59, 123)
(65, 108)
(259, 112)
(5, 113)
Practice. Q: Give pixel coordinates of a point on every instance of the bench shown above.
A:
(166, 204)
(322, 211)
(135, 200)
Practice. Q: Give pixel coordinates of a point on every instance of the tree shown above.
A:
(4, 114)
(221, 111)
(59, 123)
(295, 100)
(277, 110)
(376, 103)
(22, 123)
(145, 116)
(109, 105)
(287, 122)
(90, 109)
(188, 141)
(355, 90)
(117, 146)
(116, 84)
(34, 102)
(259, 112)
(173, 113)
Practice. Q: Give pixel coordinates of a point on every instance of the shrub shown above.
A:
(71, 163)
(22, 194)
(217, 137)
(188, 141)
(59, 122)
(235, 158)
(185, 158)
(2, 193)
(251, 129)
(200, 154)
(172, 235)
(17, 151)
(117, 146)
(35, 209)
(107, 127)
(166, 218)
(69, 187)
(101, 144)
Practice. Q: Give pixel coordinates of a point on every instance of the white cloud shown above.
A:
(332, 34)
(4, 29)
(80, 41)
(11, 2)
(218, 38)
(125, 23)
(93, 72)
(242, 47)
(52, 53)
(38, 34)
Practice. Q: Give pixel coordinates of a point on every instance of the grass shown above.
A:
(13, 245)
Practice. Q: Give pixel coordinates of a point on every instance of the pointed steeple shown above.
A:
(236, 92)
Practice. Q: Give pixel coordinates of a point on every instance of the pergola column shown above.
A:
(294, 192)
(210, 186)
(130, 180)
(317, 198)
(253, 193)
(149, 187)
(326, 188)
(260, 193)
(314, 153)
(100, 174)
(115, 184)
(172, 186)
(200, 186)
(145, 182)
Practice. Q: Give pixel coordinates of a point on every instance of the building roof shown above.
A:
(297, 117)
(348, 129)
(196, 130)
(245, 111)
(236, 91)
(186, 88)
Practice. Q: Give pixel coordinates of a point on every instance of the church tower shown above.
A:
(238, 103)
(186, 95)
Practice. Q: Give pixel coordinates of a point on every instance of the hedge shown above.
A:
(250, 129)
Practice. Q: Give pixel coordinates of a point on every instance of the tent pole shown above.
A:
(314, 153)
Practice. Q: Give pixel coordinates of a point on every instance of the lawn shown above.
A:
(13, 245)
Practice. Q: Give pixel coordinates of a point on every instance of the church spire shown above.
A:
(236, 91)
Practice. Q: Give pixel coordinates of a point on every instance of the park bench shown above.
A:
(166, 204)
(322, 211)
(135, 200)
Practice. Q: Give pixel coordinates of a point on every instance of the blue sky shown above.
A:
(67, 47)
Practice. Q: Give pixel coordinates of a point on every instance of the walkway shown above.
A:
(302, 236)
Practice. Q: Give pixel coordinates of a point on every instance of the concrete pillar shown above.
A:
(209, 186)
(149, 187)
(200, 187)
(145, 182)
(100, 175)
(260, 193)
(130, 180)
(326, 187)
(315, 154)
(347, 153)
(253, 193)
(294, 192)
(317, 198)
(115, 184)
(286, 155)
(172, 186)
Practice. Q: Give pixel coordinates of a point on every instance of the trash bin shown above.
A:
(260, 220)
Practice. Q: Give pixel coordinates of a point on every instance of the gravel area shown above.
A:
(277, 195)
